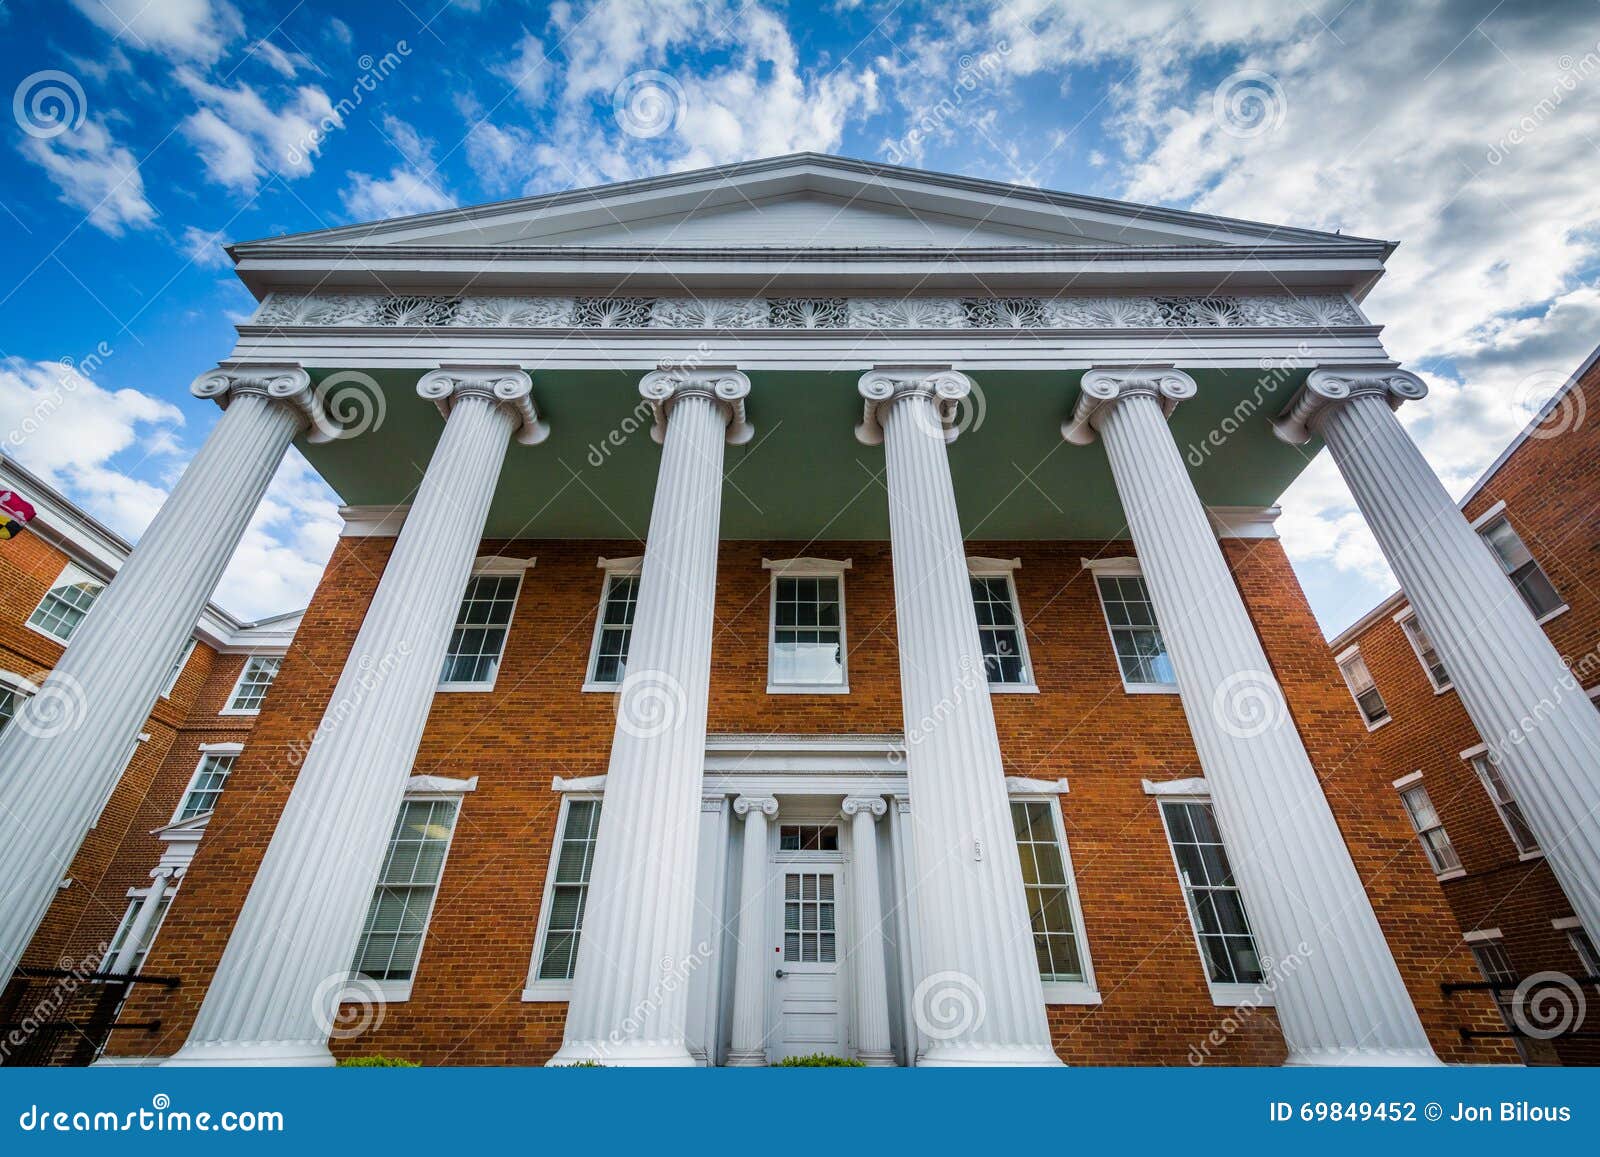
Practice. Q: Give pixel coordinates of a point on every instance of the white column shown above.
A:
(638, 921)
(1339, 994)
(978, 999)
(867, 968)
(65, 750)
(1540, 727)
(274, 996)
(149, 907)
(754, 961)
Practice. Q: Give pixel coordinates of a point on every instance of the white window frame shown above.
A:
(1583, 945)
(807, 568)
(233, 693)
(206, 750)
(1224, 994)
(171, 682)
(1343, 657)
(419, 789)
(1409, 624)
(490, 567)
(1087, 990)
(70, 575)
(1006, 568)
(535, 988)
(1482, 524)
(1411, 782)
(1127, 567)
(1471, 755)
(630, 567)
(22, 689)
(136, 899)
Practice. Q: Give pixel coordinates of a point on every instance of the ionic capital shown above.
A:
(883, 386)
(747, 805)
(505, 386)
(724, 385)
(1104, 388)
(872, 805)
(288, 384)
(1330, 385)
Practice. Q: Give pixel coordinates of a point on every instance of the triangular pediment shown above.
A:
(807, 202)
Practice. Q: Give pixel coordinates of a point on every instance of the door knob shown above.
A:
(780, 974)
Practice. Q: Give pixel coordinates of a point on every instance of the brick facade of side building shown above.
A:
(1506, 900)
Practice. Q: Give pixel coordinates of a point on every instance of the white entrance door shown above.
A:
(807, 980)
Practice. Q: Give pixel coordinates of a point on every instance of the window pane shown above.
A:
(65, 605)
(564, 916)
(619, 601)
(391, 938)
(1227, 946)
(807, 635)
(999, 632)
(259, 672)
(1141, 651)
(1047, 891)
(479, 636)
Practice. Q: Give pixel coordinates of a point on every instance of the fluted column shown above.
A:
(627, 1007)
(1531, 711)
(1343, 1001)
(867, 967)
(149, 908)
(753, 962)
(275, 992)
(978, 998)
(69, 742)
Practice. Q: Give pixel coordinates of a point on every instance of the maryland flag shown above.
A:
(15, 513)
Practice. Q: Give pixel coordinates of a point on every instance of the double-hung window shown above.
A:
(1524, 571)
(1585, 950)
(125, 929)
(66, 603)
(176, 670)
(806, 643)
(254, 681)
(613, 626)
(1364, 688)
(1429, 827)
(1000, 631)
(1131, 618)
(205, 786)
(14, 692)
(1504, 802)
(1432, 665)
(402, 902)
(1052, 901)
(478, 639)
(555, 952)
(1216, 908)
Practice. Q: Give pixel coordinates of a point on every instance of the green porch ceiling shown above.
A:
(804, 475)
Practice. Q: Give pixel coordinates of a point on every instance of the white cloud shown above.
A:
(242, 139)
(95, 175)
(528, 71)
(285, 64)
(410, 187)
(196, 30)
(205, 248)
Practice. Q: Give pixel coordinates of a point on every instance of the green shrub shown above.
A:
(580, 1065)
(820, 1061)
(377, 1063)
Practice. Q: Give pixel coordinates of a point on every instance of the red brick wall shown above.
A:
(536, 723)
(1551, 491)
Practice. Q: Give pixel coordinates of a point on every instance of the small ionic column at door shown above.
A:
(753, 962)
(867, 968)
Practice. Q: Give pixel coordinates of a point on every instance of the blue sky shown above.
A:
(1466, 131)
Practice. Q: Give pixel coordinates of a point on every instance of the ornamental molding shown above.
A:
(883, 386)
(475, 311)
(288, 383)
(505, 386)
(1103, 388)
(1026, 785)
(747, 805)
(664, 388)
(872, 805)
(1329, 385)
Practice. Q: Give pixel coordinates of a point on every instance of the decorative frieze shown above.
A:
(791, 313)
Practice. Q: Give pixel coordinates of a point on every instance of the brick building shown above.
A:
(1536, 508)
(133, 857)
(813, 606)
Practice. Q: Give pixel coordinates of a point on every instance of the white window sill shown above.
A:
(1446, 688)
(1536, 854)
(240, 711)
(808, 688)
(451, 688)
(548, 991)
(1452, 874)
(1234, 995)
(1070, 992)
(601, 688)
(40, 631)
(1013, 689)
(1380, 723)
(1553, 614)
(1150, 688)
(386, 991)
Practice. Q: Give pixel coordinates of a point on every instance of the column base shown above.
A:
(876, 1060)
(252, 1054)
(969, 1055)
(749, 1059)
(625, 1055)
(1362, 1058)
